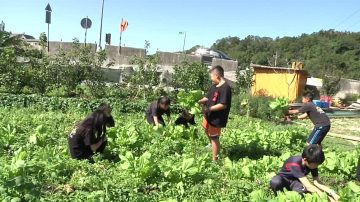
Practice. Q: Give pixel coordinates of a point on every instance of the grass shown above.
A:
(340, 126)
(346, 126)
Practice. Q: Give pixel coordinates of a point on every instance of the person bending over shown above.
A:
(292, 175)
(156, 110)
(89, 137)
(317, 116)
(185, 119)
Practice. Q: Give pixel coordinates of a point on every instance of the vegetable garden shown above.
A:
(142, 163)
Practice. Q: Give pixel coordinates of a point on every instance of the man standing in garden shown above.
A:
(216, 109)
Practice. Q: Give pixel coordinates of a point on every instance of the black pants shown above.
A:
(278, 183)
(84, 152)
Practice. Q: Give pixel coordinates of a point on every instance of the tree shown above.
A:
(244, 80)
(323, 51)
(146, 74)
(43, 40)
(191, 76)
(79, 65)
(12, 49)
(147, 46)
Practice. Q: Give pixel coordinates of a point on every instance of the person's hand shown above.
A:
(287, 118)
(205, 110)
(334, 196)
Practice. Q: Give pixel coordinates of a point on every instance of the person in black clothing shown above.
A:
(89, 137)
(216, 108)
(156, 110)
(317, 116)
(292, 175)
(185, 119)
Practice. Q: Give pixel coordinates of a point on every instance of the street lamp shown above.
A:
(48, 21)
(2, 26)
(183, 33)
(101, 22)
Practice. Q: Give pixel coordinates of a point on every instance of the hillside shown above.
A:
(324, 53)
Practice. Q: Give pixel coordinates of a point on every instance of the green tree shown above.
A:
(79, 65)
(191, 76)
(43, 40)
(323, 51)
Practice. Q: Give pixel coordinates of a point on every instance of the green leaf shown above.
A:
(354, 187)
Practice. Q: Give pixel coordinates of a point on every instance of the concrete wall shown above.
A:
(112, 52)
(112, 75)
(348, 86)
(166, 58)
(120, 62)
(170, 59)
(228, 65)
(55, 46)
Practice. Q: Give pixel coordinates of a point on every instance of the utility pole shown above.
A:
(101, 22)
(184, 43)
(276, 56)
(183, 33)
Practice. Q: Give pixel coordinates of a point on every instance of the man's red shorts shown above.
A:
(210, 130)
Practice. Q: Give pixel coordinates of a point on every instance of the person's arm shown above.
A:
(303, 116)
(203, 100)
(156, 120)
(326, 189)
(90, 140)
(95, 147)
(217, 107)
(294, 111)
(304, 109)
(309, 187)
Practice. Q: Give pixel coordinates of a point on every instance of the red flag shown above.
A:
(124, 25)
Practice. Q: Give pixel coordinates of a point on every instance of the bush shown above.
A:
(256, 107)
(191, 76)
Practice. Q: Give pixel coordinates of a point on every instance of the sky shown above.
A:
(160, 21)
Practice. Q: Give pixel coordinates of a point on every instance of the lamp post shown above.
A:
(101, 22)
(183, 33)
(2, 26)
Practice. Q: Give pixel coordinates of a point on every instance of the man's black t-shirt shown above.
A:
(155, 110)
(183, 121)
(293, 168)
(219, 95)
(315, 114)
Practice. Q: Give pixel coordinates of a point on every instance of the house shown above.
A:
(279, 81)
(32, 41)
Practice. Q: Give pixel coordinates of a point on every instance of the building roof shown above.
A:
(23, 36)
(256, 66)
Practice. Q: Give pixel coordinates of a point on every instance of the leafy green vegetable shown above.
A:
(189, 100)
(156, 164)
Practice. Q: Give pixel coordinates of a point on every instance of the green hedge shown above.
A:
(65, 104)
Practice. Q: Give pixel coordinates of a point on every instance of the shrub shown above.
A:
(257, 107)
